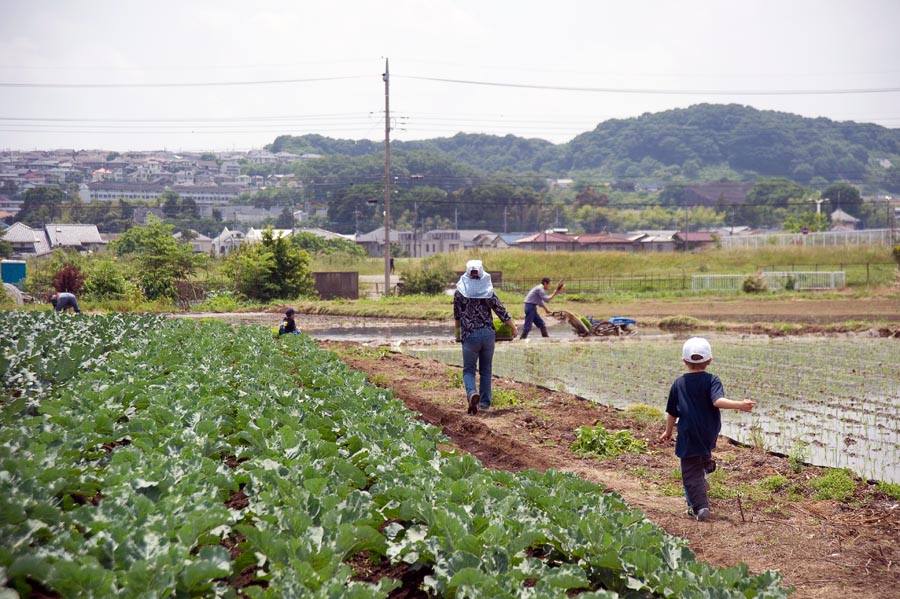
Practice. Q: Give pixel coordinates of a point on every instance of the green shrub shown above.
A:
(679, 323)
(896, 253)
(837, 485)
(755, 284)
(598, 442)
(425, 282)
(106, 281)
(6, 300)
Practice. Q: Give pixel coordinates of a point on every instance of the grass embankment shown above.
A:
(579, 265)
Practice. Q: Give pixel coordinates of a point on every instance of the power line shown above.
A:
(203, 84)
(651, 91)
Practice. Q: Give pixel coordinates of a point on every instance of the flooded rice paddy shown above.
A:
(829, 401)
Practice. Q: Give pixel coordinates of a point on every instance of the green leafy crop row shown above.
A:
(195, 453)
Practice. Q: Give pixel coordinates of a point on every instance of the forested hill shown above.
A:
(701, 142)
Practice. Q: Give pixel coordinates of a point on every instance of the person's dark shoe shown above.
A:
(524, 335)
(473, 403)
(701, 515)
(544, 332)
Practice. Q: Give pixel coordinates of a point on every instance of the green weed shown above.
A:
(892, 490)
(599, 442)
(644, 413)
(836, 484)
(798, 456)
(774, 483)
(504, 398)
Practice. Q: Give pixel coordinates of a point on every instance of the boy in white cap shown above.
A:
(694, 402)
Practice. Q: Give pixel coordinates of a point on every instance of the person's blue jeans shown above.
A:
(532, 316)
(478, 351)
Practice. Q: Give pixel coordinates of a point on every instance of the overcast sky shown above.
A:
(227, 74)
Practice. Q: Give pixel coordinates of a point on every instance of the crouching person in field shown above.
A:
(63, 301)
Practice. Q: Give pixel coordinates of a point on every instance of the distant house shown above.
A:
(255, 235)
(141, 213)
(693, 240)
(373, 241)
(490, 240)
(444, 241)
(226, 242)
(592, 242)
(323, 233)
(548, 242)
(26, 242)
(655, 241)
(199, 242)
(81, 238)
(842, 221)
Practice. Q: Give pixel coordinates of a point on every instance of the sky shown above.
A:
(216, 75)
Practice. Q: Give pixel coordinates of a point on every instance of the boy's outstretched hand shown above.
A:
(746, 405)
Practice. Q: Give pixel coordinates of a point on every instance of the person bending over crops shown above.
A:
(695, 401)
(472, 305)
(535, 298)
(63, 301)
(288, 326)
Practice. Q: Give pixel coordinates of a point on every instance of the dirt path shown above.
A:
(825, 549)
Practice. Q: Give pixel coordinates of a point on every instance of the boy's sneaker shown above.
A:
(483, 406)
(473, 403)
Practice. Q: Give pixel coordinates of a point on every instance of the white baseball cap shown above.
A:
(696, 350)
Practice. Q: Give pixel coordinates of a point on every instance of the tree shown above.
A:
(843, 196)
(160, 258)
(69, 278)
(6, 249)
(811, 220)
(271, 269)
(171, 203)
(41, 205)
(285, 220)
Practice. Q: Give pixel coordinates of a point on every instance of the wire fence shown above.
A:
(785, 276)
(822, 238)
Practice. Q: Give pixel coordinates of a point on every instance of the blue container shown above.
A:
(13, 271)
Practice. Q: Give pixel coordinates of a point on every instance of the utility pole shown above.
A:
(387, 179)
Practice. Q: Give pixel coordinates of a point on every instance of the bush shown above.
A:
(755, 284)
(106, 281)
(425, 282)
(896, 253)
(679, 323)
(6, 300)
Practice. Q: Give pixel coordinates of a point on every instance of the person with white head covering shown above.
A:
(473, 304)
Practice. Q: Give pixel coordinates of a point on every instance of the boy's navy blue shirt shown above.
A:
(699, 421)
